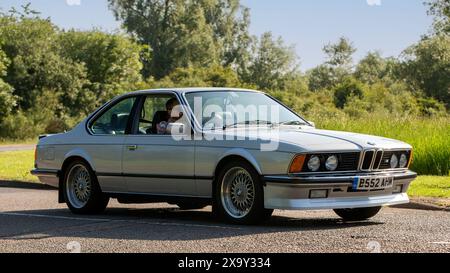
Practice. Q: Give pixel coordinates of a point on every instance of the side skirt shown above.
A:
(130, 198)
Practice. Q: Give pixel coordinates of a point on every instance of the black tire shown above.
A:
(191, 205)
(95, 203)
(257, 213)
(359, 214)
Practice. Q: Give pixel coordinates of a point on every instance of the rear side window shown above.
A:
(115, 120)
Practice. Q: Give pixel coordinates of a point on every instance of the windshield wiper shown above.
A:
(248, 122)
(293, 122)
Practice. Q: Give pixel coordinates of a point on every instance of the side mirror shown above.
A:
(312, 123)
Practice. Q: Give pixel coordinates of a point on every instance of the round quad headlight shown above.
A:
(332, 163)
(394, 161)
(403, 161)
(314, 163)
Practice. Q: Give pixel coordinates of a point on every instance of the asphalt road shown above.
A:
(32, 221)
(17, 147)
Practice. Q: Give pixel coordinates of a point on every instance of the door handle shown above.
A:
(132, 147)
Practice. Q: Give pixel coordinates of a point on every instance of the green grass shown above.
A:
(16, 166)
(429, 137)
(430, 186)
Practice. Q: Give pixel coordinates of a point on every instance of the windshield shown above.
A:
(225, 109)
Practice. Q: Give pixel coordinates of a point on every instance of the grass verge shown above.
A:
(430, 186)
(16, 166)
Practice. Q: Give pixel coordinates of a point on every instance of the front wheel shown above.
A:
(82, 191)
(358, 214)
(239, 195)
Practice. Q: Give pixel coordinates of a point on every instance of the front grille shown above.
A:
(367, 161)
(347, 162)
(378, 158)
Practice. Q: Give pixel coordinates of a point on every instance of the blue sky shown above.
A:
(386, 25)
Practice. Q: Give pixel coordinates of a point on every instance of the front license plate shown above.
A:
(373, 183)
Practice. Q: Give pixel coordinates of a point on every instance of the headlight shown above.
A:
(314, 163)
(332, 163)
(403, 161)
(394, 161)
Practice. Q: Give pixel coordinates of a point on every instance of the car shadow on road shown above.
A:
(161, 224)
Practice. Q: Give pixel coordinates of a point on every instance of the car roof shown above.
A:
(194, 89)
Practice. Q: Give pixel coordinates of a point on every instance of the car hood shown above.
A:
(310, 139)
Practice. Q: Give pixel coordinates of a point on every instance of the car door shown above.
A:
(104, 146)
(153, 163)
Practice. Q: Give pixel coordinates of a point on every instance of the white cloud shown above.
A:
(374, 2)
(73, 2)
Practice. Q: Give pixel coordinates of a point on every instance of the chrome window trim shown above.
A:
(107, 105)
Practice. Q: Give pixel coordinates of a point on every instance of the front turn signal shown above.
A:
(297, 164)
(411, 157)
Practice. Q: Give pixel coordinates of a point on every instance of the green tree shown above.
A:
(338, 65)
(112, 62)
(372, 68)
(323, 77)
(215, 76)
(440, 9)
(185, 33)
(340, 53)
(32, 48)
(7, 99)
(426, 67)
(271, 63)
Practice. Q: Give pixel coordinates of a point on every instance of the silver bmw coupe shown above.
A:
(241, 151)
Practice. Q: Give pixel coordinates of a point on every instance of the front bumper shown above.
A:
(293, 192)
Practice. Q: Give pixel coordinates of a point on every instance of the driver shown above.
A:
(174, 114)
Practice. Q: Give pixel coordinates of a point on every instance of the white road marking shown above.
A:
(112, 220)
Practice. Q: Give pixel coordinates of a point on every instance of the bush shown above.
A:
(349, 88)
(7, 99)
(18, 126)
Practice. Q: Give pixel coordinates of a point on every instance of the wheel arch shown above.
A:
(234, 155)
(67, 161)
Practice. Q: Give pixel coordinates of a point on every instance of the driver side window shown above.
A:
(115, 120)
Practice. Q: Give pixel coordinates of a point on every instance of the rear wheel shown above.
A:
(358, 214)
(82, 191)
(239, 196)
